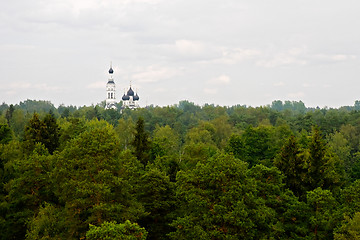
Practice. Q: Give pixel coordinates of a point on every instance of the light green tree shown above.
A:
(115, 231)
(93, 179)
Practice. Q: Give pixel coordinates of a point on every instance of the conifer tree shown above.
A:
(141, 142)
(292, 163)
(50, 133)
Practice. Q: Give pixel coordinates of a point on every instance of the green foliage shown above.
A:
(141, 142)
(166, 141)
(5, 134)
(181, 172)
(48, 223)
(156, 193)
(322, 209)
(125, 130)
(29, 187)
(350, 229)
(42, 131)
(325, 170)
(292, 162)
(113, 230)
(93, 183)
(219, 202)
(36, 106)
(255, 145)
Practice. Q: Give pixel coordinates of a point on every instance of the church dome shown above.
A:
(111, 71)
(136, 97)
(125, 97)
(130, 92)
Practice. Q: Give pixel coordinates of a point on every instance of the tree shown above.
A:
(156, 193)
(49, 223)
(287, 219)
(125, 130)
(323, 217)
(70, 129)
(219, 201)
(93, 180)
(113, 230)
(340, 145)
(9, 114)
(42, 131)
(27, 190)
(141, 143)
(292, 162)
(254, 146)
(325, 170)
(357, 105)
(33, 133)
(50, 133)
(166, 141)
(350, 229)
(5, 134)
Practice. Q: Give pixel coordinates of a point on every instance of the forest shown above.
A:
(281, 171)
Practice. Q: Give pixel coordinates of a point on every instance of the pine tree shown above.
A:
(141, 142)
(50, 133)
(292, 163)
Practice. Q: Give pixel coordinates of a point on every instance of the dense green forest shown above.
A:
(282, 171)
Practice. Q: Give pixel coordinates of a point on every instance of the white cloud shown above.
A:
(26, 85)
(187, 47)
(97, 85)
(160, 90)
(220, 80)
(154, 74)
(296, 95)
(293, 56)
(235, 55)
(210, 90)
(333, 57)
(279, 84)
(189, 50)
(301, 56)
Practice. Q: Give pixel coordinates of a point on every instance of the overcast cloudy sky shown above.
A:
(224, 52)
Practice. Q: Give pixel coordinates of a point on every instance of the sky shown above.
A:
(222, 52)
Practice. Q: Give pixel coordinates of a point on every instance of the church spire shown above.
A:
(111, 71)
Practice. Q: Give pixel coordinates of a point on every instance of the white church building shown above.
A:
(130, 99)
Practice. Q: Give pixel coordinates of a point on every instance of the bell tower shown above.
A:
(110, 91)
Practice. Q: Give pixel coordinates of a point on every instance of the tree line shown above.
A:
(281, 171)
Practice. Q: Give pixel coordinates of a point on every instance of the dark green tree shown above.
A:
(42, 131)
(27, 190)
(219, 201)
(9, 114)
(141, 142)
(324, 169)
(323, 213)
(292, 163)
(50, 133)
(33, 133)
(156, 193)
(94, 180)
(5, 134)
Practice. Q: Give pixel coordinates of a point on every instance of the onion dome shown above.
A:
(111, 71)
(136, 97)
(125, 97)
(130, 92)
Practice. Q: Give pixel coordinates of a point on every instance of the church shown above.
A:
(130, 99)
